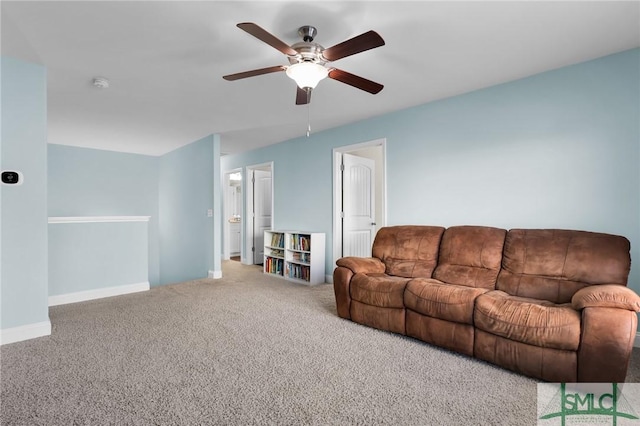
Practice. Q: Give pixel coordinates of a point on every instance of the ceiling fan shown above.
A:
(309, 61)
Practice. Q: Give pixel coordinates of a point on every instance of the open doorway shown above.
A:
(359, 197)
(232, 215)
(259, 203)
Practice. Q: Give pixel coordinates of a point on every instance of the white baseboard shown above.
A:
(25, 332)
(81, 296)
(328, 279)
(636, 344)
(215, 274)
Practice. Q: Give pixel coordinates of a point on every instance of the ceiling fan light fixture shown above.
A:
(307, 74)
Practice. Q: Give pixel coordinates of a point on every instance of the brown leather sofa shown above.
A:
(550, 304)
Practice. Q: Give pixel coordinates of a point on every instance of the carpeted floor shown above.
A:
(246, 349)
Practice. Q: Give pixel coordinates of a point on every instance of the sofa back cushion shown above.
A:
(409, 251)
(553, 264)
(470, 256)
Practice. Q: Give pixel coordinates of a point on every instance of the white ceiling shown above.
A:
(165, 61)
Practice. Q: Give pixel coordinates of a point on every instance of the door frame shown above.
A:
(247, 242)
(337, 189)
(226, 227)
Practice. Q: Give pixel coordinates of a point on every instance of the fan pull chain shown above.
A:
(308, 119)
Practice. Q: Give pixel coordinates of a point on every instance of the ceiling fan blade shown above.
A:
(253, 73)
(265, 36)
(355, 81)
(303, 96)
(366, 41)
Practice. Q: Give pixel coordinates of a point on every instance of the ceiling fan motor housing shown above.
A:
(307, 52)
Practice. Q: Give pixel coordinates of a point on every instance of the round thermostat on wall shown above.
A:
(12, 177)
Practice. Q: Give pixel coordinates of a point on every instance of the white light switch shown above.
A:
(210, 213)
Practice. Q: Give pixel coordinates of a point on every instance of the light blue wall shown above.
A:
(24, 208)
(559, 149)
(176, 190)
(91, 182)
(89, 256)
(186, 193)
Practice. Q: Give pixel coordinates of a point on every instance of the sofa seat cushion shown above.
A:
(532, 321)
(380, 290)
(436, 299)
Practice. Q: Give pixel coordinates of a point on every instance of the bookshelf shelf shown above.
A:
(295, 256)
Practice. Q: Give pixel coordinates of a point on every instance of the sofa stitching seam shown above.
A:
(445, 303)
(564, 264)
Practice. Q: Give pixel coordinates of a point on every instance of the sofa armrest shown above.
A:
(364, 265)
(606, 344)
(606, 296)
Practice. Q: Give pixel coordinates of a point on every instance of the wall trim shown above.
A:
(636, 343)
(97, 219)
(99, 293)
(328, 279)
(215, 274)
(25, 332)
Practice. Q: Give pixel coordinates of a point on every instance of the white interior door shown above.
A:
(359, 221)
(262, 212)
(228, 213)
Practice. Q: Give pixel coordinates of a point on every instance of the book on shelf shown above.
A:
(301, 272)
(277, 240)
(302, 257)
(276, 253)
(273, 265)
(300, 242)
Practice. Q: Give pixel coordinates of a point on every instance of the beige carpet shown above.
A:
(246, 349)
